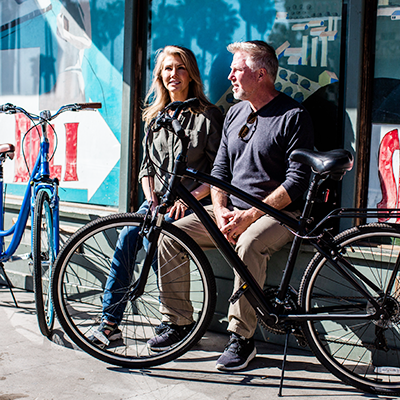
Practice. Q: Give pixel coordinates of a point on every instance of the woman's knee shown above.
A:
(127, 236)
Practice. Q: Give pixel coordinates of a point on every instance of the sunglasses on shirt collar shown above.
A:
(251, 119)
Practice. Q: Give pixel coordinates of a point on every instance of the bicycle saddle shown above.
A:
(334, 163)
(7, 149)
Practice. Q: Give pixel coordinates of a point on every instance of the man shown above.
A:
(258, 136)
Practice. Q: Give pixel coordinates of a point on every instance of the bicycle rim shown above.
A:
(82, 269)
(44, 255)
(364, 353)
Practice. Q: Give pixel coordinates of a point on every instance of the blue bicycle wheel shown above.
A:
(44, 255)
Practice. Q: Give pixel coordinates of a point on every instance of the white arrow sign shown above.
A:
(97, 149)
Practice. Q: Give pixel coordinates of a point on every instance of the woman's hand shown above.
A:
(154, 204)
(178, 210)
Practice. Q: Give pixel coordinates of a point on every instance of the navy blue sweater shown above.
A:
(259, 163)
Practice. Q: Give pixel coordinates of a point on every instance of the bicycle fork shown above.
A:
(153, 235)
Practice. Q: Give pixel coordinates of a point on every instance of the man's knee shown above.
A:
(248, 246)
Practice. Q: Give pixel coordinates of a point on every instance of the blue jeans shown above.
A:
(129, 243)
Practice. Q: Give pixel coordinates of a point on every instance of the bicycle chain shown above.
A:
(282, 328)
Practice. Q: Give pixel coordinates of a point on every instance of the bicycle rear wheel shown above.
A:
(44, 255)
(364, 353)
(80, 276)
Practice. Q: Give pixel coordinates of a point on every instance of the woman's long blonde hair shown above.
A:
(159, 93)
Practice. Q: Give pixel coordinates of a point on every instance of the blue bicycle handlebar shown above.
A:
(12, 109)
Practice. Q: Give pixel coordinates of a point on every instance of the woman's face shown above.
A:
(175, 78)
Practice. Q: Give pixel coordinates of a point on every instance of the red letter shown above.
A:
(71, 135)
(55, 170)
(31, 145)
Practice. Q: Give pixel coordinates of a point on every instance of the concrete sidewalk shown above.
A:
(34, 367)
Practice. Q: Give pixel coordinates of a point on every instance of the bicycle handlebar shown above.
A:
(45, 115)
(163, 118)
(89, 105)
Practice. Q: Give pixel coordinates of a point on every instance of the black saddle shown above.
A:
(334, 163)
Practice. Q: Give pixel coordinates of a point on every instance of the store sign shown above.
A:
(83, 149)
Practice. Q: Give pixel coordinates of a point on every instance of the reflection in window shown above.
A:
(387, 59)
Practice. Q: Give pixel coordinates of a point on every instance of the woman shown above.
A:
(176, 77)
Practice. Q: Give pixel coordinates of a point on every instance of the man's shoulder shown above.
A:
(287, 104)
(241, 106)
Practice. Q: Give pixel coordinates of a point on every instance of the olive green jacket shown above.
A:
(164, 146)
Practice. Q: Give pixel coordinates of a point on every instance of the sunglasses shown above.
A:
(246, 128)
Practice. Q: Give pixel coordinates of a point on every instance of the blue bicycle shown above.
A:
(41, 201)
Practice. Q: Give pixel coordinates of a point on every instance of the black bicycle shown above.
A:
(347, 308)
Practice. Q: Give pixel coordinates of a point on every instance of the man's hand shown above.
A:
(239, 221)
(232, 223)
(220, 213)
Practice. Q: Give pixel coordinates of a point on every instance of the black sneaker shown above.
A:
(237, 354)
(100, 338)
(171, 335)
(161, 328)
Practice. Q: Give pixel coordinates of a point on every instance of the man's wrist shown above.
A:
(255, 213)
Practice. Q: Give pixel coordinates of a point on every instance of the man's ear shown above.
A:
(262, 72)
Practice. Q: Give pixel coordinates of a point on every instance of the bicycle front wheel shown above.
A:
(44, 255)
(362, 352)
(80, 279)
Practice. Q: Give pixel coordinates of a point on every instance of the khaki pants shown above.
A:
(255, 246)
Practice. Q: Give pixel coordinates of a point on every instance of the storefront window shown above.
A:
(383, 191)
(305, 34)
(56, 52)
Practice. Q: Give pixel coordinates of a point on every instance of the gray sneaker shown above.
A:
(169, 336)
(104, 334)
(237, 354)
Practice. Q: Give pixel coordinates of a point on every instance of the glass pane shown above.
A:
(305, 34)
(383, 190)
(387, 59)
(56, 52)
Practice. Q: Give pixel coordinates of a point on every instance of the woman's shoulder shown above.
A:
(213, 113)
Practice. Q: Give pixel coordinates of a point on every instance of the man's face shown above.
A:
(244, 80)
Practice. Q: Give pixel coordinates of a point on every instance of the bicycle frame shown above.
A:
(252, 289)
(39, 180)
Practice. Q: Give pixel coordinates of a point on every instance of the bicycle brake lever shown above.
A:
(147, 219)
(8, 108)
(163, 121)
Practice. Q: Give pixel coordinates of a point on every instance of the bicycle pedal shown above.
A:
(236, 296)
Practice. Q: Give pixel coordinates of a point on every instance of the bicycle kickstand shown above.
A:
(284, 362)
(8, 282)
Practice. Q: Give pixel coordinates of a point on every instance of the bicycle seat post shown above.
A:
(316, 180)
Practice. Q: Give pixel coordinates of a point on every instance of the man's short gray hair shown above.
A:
(261, 55)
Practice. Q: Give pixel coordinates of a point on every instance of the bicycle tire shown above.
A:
(81, 270)
(362, 353)
(44, 255)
